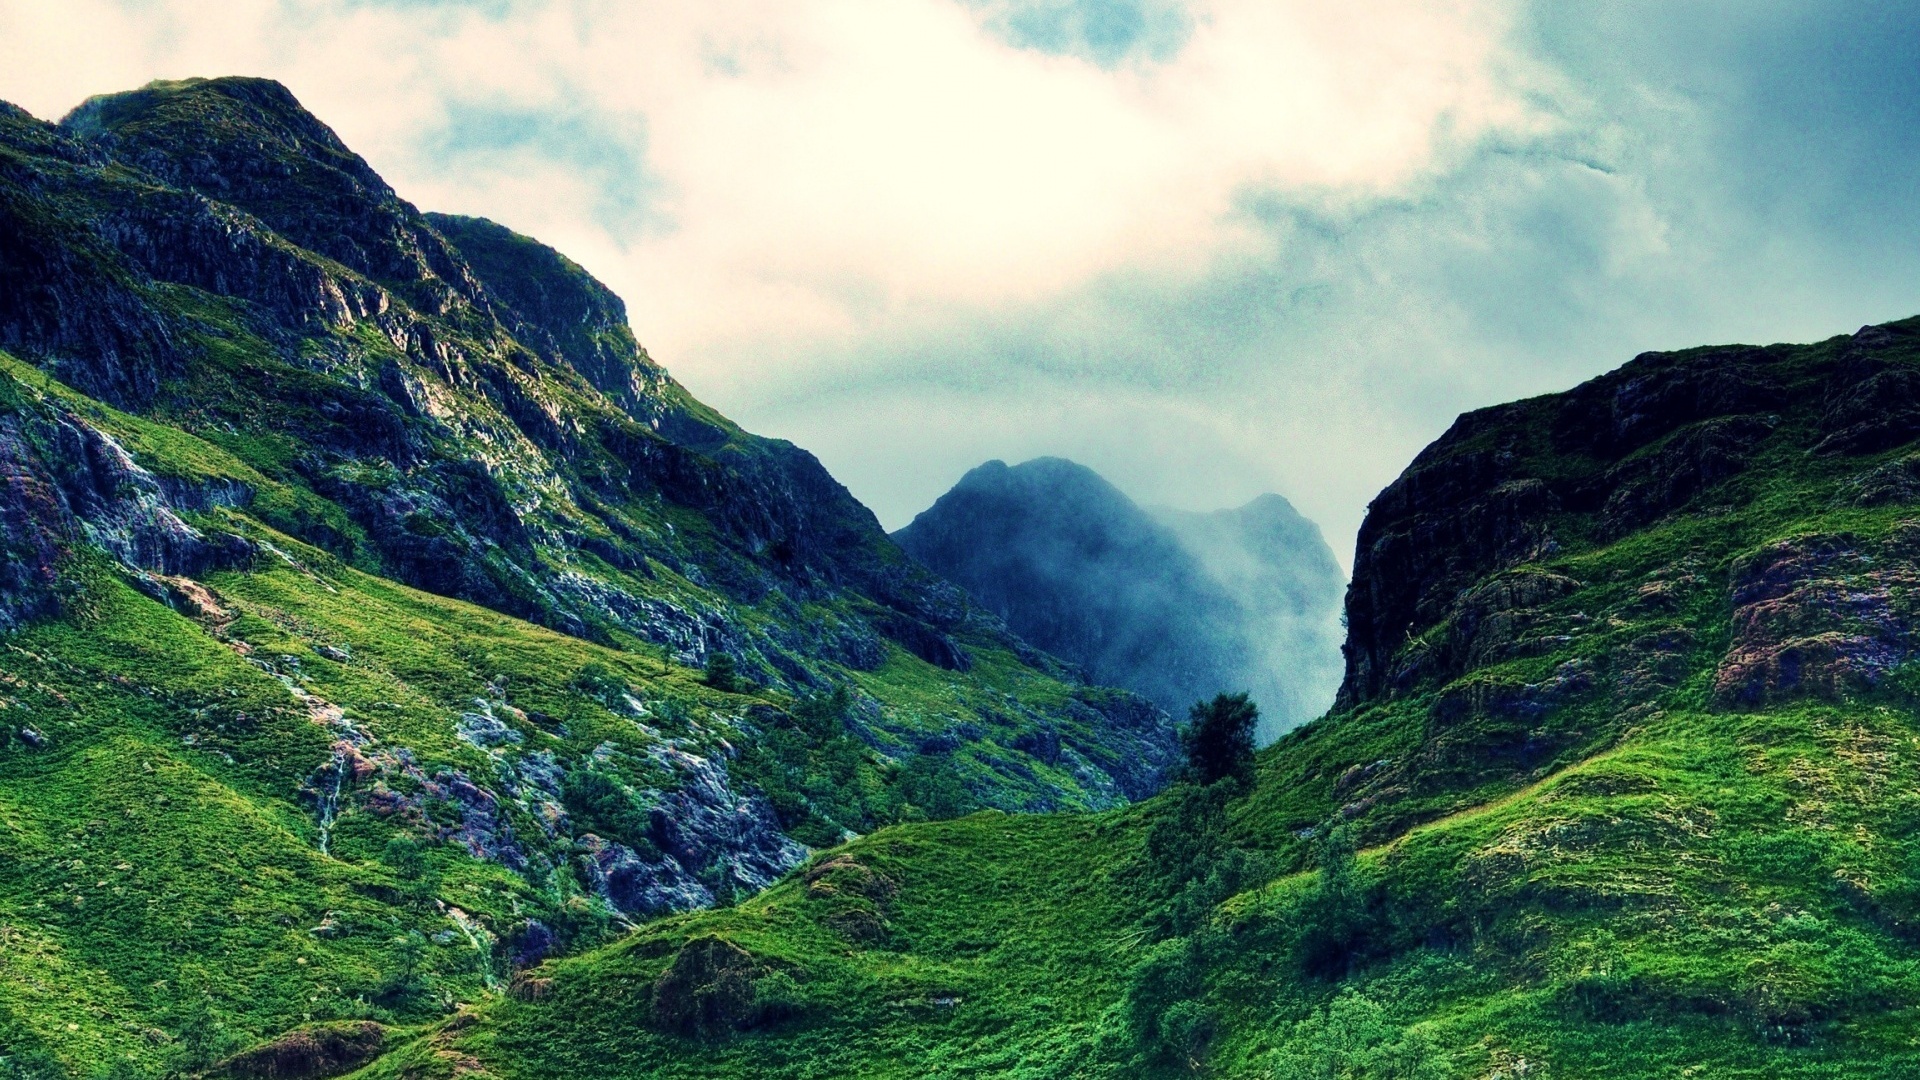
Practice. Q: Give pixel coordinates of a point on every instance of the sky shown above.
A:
(1211, 248)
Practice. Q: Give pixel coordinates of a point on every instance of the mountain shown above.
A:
(1621, 783)
(380, 618)
(1177, 606)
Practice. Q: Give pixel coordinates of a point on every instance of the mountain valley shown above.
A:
(1619, 784)
(402, 677)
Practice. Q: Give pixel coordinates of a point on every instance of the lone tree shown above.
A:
(1218, 739)
(721, 672)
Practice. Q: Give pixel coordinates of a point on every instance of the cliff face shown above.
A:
(1521, 483)
(1178, 607)
(1752, 491)
(382, 528)
(258, 276)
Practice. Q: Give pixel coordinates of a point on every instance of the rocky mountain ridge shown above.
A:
(497, 437)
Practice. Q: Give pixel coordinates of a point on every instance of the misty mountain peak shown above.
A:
(1178, 606)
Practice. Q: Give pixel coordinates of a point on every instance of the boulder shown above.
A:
(309, 1053)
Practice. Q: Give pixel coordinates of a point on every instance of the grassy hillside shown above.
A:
(1623, 784)
(377, 619)
(290, 791)
(203, 272)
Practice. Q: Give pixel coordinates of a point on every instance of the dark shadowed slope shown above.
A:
(1178, 607)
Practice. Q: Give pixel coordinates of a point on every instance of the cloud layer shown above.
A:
(1208, 248)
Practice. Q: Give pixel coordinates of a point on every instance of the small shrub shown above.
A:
(1187, 862)
(598, 681)
(31, 1065)
(714, 988)
(326, 1049)
(598, 804)
(1164, 1004)
(1333, 930)
(931, 784)
(403, 978)
(417, 879)
(823, 716)
(1352, 1038)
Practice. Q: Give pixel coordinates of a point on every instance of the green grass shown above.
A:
(1634, 881)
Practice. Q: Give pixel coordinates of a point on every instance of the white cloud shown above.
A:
(824, 181)
(822, 166)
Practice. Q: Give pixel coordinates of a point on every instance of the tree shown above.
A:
(721, 672)
(598, 804)
(403, 976)
(1218, 739)
(416, 877)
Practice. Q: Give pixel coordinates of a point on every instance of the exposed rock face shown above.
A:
(1821, 616)
(558, 309)
(1648, 438)
(429, 351)
(1551, 573)
(1507, 486)
(1179, 608)
(64, 483)
(708, 836)
(247, 143)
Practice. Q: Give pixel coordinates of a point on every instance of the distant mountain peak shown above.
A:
(1176, 605)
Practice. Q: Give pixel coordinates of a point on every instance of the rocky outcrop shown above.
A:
(65, 484)
(247, 143)
(1504, 485)
(708, 838)
(1663, 478)
(1667, 435)
(711, 989)
(308, 1053)
(558, 309)
(1821, 616)
(1551, 573)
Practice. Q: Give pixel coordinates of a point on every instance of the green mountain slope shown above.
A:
(377, 619)
(1622, 783)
